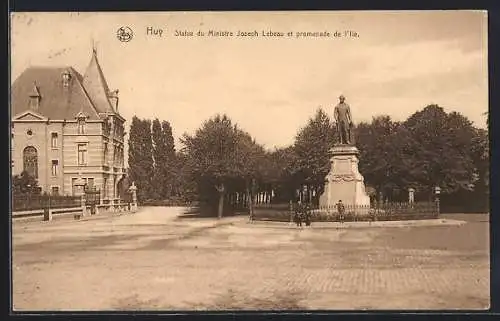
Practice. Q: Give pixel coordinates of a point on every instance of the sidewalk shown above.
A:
(67, 217)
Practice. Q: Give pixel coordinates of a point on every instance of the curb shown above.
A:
(379, 224)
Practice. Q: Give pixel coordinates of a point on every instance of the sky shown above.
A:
(399, 63)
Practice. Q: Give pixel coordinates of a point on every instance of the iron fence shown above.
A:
(37, 202)
(378, 212)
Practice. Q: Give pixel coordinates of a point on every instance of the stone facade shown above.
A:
(66, 126)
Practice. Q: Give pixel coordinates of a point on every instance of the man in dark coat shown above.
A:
(298, 213)
(307, 214)
(341, 210)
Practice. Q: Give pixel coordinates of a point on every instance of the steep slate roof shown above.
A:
(96, 86)
(56, 101)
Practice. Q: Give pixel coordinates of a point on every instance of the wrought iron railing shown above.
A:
(37, 202)
(380, 212)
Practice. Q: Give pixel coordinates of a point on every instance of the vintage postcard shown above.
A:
(326, 160)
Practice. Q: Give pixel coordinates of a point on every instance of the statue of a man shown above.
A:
(342, 114)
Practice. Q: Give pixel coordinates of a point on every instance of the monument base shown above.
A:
(345, 182)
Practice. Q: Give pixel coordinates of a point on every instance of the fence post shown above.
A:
(84, 205)
(133, 190)
(47, 212)
(437, 191)
(96, 204)
(291, 212)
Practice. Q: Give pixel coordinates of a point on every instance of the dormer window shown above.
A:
(34, 102)
(81, 125)
(66, 78)
(113, 98)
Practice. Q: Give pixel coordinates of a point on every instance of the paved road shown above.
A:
(153, 260)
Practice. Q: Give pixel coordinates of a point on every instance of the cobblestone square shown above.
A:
(152, 260)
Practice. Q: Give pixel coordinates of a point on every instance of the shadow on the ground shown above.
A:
(208, 212)
(233, 300)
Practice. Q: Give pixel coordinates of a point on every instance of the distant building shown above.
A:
(66, 126)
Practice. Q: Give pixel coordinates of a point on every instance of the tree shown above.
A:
(376, 143)
(164, 157)
(481, 159)
(171, 165)
(218, 156)
(186, 185)
(159, 157)
(141, 166)
(312, 148)
(24, 183)
(282, 169)
(441, 149)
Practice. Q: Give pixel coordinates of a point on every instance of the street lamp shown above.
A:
(437, 191)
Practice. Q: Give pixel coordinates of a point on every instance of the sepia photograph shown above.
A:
(249, 161)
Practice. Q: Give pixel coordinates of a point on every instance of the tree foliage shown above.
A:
(24, 183)
(312, 150)
(220, 156)
(141, 166)
(430, 148)
(164, 179)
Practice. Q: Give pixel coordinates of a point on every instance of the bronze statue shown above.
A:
(342, 114)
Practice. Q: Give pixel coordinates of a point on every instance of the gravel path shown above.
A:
(151, 260)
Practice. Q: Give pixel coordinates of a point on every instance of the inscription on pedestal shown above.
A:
(343, 166)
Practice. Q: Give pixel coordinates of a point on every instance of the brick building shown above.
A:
(66, 126)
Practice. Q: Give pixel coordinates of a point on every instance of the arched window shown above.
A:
(30, 161)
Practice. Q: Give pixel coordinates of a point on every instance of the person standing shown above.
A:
(298, 214)
(341, 210)
(307, 214)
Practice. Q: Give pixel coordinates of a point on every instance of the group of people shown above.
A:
(303, 213)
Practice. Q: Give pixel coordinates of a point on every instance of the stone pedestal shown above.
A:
(344, 181)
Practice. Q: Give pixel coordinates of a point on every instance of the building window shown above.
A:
(90, 183)
(29, 132)
(55, 190)
(105, 153)
(105, 187)
(53, 140)
(81, 126)
(82, 154)
(55, 165)
(115, 194)
(30, 161)
(74, 188)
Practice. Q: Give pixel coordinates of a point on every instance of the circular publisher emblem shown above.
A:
(124, 34)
